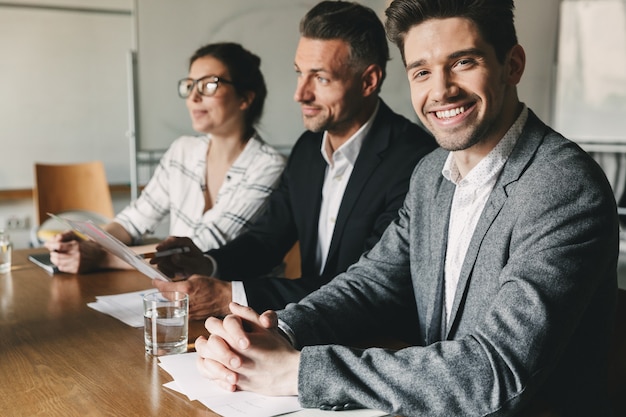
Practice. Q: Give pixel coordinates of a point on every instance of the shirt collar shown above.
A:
(351, 148)
(493, 162)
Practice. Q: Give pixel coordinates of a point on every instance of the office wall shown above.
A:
(64, 87)
(591, 88)
(268, 28)
(63, 75)
(537, 23)
(63, 93)
(169, 32)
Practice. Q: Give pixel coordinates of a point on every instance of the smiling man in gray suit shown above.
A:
(507, 245)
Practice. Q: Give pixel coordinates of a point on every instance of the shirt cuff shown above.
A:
(239, 293)
(284, 327)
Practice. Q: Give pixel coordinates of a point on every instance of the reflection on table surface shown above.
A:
(59, 357)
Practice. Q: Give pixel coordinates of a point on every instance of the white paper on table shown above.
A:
(314, 412)
(190, 382)
(173, 386)
(257, 405)
(127, 307)
(113, 245)
(184, 370)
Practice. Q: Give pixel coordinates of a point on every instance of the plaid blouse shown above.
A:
(176, 188)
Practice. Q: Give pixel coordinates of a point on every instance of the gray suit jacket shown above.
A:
(533, 310)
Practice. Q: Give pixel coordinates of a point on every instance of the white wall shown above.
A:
(170, 30)
(64, 88)
(537, 30)
(64, 85)
(270, 29)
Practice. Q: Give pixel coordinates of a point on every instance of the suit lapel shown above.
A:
(492, 208)
(520, 158)
(307, 204)
(438, 237)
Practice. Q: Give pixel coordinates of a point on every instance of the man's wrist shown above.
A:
(286, 332)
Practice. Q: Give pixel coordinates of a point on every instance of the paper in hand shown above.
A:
(113, 245)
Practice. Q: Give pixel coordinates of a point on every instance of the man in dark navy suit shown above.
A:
(345, 180)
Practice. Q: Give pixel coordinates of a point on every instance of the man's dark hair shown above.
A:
(493, 18)
(244, 68)
(353, 23)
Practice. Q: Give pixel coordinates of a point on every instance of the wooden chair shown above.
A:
(62, 188)
(292, 262)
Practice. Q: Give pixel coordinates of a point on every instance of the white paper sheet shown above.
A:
(189, 382)
(314, 412)
(127, 307)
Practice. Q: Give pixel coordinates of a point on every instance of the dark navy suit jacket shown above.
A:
(374, 193)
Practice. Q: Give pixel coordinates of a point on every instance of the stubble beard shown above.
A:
(477, 134)
(315, 124)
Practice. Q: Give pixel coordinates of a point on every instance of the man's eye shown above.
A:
(465, 62)
(419, 74)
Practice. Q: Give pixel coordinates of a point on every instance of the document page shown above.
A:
(127, 307)
(113, 245)
(188, 381)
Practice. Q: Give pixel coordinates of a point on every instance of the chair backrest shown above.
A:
(81, 186)
(292, 262)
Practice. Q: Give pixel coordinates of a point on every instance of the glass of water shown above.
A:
(166, 324)
(5, 252)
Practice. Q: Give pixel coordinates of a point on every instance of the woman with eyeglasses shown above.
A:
(212, 186)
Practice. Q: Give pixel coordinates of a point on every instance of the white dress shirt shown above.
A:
(470, 197)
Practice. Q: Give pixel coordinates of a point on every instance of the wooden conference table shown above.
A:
(58, 357)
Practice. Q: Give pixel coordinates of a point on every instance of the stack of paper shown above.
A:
(189, 381)
(126, 307)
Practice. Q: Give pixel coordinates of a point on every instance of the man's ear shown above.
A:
(516, 62)
(371, 79)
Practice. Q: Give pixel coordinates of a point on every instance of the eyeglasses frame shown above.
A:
(217, 80)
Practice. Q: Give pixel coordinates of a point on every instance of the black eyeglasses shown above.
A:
(207, 86)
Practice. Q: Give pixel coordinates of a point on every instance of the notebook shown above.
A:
(43, 260)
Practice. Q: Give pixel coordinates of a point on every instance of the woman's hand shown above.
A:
(74, 255)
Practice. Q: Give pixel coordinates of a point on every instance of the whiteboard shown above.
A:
(591, 76)
(168, 32)
(63, 91)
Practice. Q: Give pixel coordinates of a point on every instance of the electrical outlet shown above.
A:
(17, 223)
